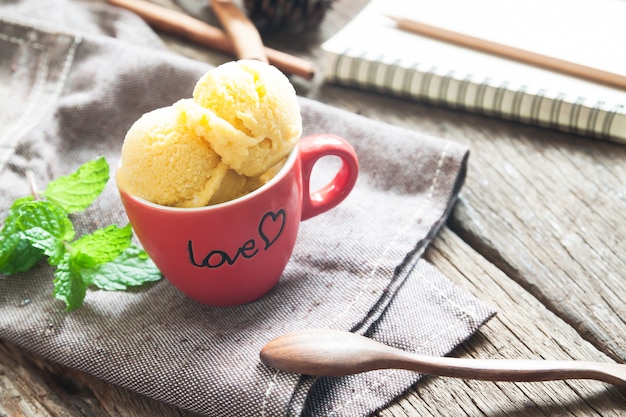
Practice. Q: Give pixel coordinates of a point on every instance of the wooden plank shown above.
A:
(523, 328)
(550, 210)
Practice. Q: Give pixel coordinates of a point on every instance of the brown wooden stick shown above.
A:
(202, 33)
(241, 31)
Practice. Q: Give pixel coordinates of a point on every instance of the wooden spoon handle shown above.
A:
(518, 370)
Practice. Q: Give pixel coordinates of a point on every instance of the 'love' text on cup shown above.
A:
(269, 230)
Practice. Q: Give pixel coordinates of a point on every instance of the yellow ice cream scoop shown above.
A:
(164, 162)
(249, 112)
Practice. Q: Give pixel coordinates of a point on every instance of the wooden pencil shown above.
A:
(513, 53)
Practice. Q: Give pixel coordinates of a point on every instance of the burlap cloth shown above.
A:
(73, 77)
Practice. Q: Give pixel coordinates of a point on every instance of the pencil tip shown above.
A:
(394, 18)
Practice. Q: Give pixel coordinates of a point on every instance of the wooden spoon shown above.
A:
(324, 352)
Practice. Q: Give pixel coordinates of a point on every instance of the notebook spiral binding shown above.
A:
(463, 92)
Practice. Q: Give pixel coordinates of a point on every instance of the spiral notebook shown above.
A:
(373, 54)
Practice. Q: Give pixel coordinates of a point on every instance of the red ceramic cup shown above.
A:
(235, 252)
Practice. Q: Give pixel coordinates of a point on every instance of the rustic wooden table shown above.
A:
(538, 233)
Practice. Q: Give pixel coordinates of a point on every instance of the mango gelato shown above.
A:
(229, 139)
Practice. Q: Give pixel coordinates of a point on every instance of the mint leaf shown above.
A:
(10, 223)
(69, 285)
(75, 192)
(47, 216)
(16, 253)
(45, 226)
(132, 268)
(32, 229)
(51, 246)
(104, 244)
(20, 202)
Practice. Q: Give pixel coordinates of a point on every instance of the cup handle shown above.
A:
(311, 149)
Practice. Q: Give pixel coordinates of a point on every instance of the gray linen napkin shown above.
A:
(73, 78)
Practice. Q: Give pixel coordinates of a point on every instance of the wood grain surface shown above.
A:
(538, 232)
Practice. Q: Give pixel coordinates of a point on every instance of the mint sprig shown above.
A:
(105, 258)
(76, 192)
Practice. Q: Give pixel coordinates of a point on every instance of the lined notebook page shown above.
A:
(371, 52)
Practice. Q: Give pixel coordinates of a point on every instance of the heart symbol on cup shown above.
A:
(271, 227)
